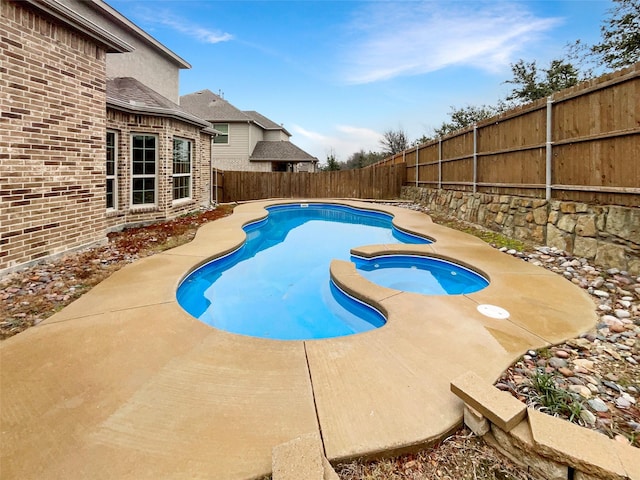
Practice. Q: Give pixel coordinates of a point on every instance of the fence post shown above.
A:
(549, 149)
(215, 170)
(417, 167)
(475, 157)
(440, 163)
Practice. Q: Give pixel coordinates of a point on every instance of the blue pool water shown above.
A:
(277, 285)
(426, 275)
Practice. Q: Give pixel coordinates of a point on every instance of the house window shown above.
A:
(181, 168)
(112, 156)
(143, 169)
(221, 137)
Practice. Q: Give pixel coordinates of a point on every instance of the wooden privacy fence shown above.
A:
(217, 185)
(581, 144)
(379, 183)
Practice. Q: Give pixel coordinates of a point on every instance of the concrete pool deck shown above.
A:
(124, 384)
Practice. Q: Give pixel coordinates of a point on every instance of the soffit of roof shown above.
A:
(61, 12)
(133, 28)
(264, 122)
(117, 104)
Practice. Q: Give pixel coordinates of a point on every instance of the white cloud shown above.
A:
(411, 38)
(171, 20)
(343, 140)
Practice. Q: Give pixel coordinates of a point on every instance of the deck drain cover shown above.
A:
(493, 311)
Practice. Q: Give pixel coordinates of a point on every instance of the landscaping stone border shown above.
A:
(608, 235)
(548, 447)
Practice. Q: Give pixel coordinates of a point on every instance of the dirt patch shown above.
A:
(460, 456)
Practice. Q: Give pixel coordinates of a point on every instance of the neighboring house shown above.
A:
(248, 140)
(91, 132)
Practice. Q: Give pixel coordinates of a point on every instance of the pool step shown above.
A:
(301, 457)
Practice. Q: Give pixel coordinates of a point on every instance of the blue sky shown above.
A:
(338, 74)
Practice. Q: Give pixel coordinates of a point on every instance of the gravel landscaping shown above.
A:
(593, 380)
(33, 294)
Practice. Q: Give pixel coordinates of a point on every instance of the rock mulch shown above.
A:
(600, 370)
(33, 294)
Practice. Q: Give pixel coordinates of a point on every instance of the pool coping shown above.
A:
(124, 378)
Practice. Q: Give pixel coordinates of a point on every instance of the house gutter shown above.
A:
(137, 108)
(213, 171)
(61, 12)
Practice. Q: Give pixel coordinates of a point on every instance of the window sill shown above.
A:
(182, 202)
(143, 208)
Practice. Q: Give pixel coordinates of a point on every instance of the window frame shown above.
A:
(144, 176)
(216, 127)
(114, 176)
(188, 175)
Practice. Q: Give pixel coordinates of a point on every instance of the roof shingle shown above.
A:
(213, 108)
(127, 93)
(281, 151)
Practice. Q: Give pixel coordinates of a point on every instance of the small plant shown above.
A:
(496, 239)
(546, 393)
(574, 410)
(544, 352)
(551, 398)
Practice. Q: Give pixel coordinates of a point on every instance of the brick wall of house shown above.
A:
(126, 124)
(52, 130)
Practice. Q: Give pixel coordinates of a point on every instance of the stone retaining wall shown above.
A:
(549, 448)
(608, 235)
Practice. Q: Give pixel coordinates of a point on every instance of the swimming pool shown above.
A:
(277, 284)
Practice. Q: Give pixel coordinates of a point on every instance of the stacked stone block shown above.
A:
(606, 234)
(549, 448)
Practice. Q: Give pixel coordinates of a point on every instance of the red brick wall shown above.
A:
(52, 131)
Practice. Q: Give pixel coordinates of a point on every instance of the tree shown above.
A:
(394, 141)
(620, 45)
(561, 74)
(356, 160)
(332, 163)
(361, 159)
(465, 117)
(533, 83)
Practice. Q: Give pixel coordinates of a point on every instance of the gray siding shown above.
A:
(256, 134)
(148, 68)
(275, 136)
(236, 151)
